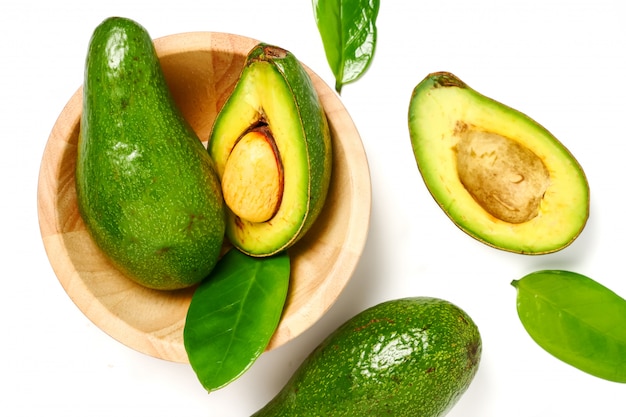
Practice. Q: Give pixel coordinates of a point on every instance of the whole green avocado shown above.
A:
(407, 357)
(147, 188)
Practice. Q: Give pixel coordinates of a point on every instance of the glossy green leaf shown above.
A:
(233, 315)
(576, 319)
(348, 32)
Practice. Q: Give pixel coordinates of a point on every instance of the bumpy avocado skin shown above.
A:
(146, 188)
(405, 357)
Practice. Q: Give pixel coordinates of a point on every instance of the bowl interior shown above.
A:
(201, 69)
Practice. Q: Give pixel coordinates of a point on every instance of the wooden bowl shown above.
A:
(201, 69)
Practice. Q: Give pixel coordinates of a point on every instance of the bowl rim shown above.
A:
(161, 346)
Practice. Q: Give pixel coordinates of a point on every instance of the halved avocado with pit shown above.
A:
(272, 148)
(499, 175)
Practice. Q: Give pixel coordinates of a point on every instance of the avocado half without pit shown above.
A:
(272, 148)
(499, 176)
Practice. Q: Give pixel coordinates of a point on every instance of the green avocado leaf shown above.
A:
(233, 315)
(576, 319)
(348, 32)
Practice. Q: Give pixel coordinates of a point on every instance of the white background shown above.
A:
(561, 62)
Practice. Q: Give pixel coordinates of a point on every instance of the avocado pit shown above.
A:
(272, 150)
(253, 178)
(507, 179)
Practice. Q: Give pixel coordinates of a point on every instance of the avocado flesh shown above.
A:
(274, 96)
(498, 175)
(146, 188)
(406, 357)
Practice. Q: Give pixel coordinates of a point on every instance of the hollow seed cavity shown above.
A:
(506, 178)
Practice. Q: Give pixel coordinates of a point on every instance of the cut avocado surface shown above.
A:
(272, 149)
(499, 175)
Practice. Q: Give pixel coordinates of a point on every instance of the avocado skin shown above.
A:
(147, 189)
(312, 118)
(405, 357)
(313, 122)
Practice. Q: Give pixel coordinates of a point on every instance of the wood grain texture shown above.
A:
(201, 69)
